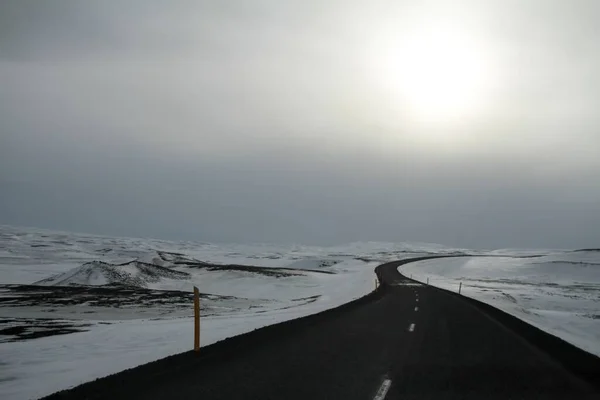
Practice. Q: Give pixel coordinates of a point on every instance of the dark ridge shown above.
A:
(22, 333)
(570, 262)
(192, 264)
(532, 256)
(172, 253)
(156, 270)
(267, 271)
(101, 296)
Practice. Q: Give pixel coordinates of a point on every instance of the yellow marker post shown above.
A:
(196, 319)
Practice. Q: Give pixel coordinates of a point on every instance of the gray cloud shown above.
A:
(238, 122)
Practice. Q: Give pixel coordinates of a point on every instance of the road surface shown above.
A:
(405, 341)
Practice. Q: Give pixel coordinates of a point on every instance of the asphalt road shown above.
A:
(406, 341)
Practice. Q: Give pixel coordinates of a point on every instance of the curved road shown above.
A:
(405, 341)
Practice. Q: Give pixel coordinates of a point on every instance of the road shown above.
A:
(406, 341)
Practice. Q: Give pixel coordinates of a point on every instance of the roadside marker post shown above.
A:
(428, 280)
(459, 288)
(196, 319)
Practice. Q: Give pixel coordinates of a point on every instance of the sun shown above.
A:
(434, 75)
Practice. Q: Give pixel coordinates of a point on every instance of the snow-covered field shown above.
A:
(76, 307)
(558, 292)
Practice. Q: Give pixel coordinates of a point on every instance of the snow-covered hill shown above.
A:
(29, 255)
(98, 273)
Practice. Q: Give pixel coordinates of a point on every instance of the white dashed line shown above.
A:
(411, 328)
(417, 300)
(416, 308)
(383, 389)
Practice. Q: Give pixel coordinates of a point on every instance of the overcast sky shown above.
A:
(286, 121)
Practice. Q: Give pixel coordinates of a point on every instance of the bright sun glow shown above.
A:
(437, 76)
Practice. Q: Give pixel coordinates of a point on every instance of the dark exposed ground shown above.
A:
(55, 298)
(67, 302)
(100, 296)
(124, 294)
(266, 271)
(458, 348)
(19, 329)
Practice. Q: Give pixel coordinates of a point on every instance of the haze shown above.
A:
(466, 123)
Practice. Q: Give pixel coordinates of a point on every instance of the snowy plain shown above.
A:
(66, 317)
(107, 329)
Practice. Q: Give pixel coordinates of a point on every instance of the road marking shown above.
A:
(411, 328)
(417, 299)
(383, 389)
(416, 308)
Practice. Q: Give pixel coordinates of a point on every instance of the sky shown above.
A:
(467, 123)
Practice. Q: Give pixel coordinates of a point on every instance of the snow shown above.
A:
(85, 274)
(124, 334)
(558, 292)
(154, 258)
(39, 367)
(125, 328)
